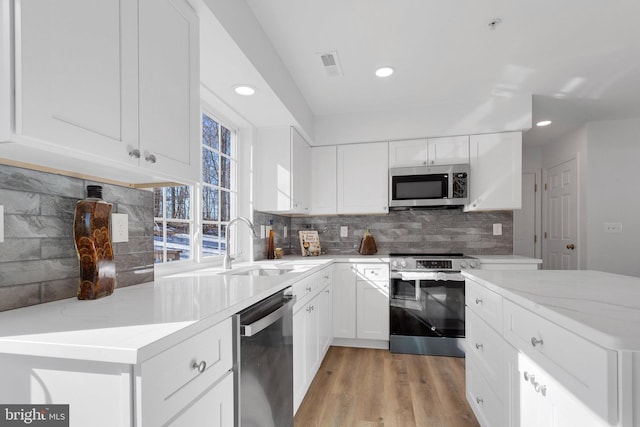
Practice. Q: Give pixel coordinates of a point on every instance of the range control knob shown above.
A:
(394, 264)
(474, 263)
(463, 264)
(403, 263)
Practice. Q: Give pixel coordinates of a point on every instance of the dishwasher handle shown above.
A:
(268, 320)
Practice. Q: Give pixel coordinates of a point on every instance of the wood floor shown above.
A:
(358, 387)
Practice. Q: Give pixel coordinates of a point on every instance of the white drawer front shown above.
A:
(485, 303)
(169, 381)
(306, 288)
(488, 349)
(485, 404)
(585, 369)
(375, 272)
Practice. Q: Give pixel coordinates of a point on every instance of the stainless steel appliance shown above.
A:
(264, 362)
(426, 303)
(428, 186)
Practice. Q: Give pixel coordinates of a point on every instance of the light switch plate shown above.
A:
(1, 223)
(497, 229)
(119, 228)
(344, 231)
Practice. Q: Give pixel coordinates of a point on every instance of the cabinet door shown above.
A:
(323, 180)
(299, 366)
(213, 409)
(496, 172)
(408, 153)
(169, 88)
(363, 177)
(325, 320)
(301, 170)
(273, 178)
(344, 301)
(373, 310)
(76, 76)
(448, 150)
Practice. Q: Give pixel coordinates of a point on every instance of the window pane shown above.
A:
(225, 206)
(212, 242)
(210, 165)
(178, 241)
(209, 132)
(157, 203)
(225, 135)
(158, 242)
(178, 202)
(225, 176)
(210, 203)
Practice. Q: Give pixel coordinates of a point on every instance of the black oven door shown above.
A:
(420, 187)
(427, 307)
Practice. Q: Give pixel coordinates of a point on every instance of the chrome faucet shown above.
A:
(226, 261)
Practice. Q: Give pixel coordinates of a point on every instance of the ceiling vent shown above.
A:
(331, 64)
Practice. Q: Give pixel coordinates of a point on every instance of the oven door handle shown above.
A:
(428, 275)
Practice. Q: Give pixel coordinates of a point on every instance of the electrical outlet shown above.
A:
(612, 227)
(285, 231)
(1, 223)
(119, 227)
(344, 231)
(497, 229)
(263, 232)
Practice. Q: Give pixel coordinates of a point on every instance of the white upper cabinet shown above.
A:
(323, 180)
(107, 82)
(363, 177)
(429, 151)
(496, 172)
(282, 163)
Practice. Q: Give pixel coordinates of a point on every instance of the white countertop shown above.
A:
(137, 322)
(507, 259)
(601, 307)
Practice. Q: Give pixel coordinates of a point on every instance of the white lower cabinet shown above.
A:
(190, 384)
(361, 304)
(524, 370)
(311, 330)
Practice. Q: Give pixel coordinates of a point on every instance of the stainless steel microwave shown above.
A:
(424, 186)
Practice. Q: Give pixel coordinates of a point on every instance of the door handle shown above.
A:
(571, 246)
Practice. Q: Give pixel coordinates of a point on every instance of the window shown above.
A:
(176, 217)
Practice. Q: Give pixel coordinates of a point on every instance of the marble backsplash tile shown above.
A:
(38, 261)
(433, 230)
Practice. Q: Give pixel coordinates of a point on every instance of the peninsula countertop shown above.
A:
(137, 322)
(601, 307)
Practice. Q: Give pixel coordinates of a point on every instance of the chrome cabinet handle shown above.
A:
(150, 158)
(479, 400)
(543, 390)
(200, 367)
(308, 288)
(535, 341)
(135, 153)
(479, 301)
(479, 346)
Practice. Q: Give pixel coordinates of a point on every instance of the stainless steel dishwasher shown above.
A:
(264, 362)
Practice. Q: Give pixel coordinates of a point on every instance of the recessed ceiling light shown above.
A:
(244, 90)
(384, 71)
(543, 123)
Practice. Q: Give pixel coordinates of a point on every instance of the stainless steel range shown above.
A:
(426, 303)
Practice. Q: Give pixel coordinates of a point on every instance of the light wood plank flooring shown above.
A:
(358, 387)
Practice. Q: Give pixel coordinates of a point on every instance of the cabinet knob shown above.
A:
(135, 153)
(150, 158)
(200, 367)
(535, 341)
(543, 390)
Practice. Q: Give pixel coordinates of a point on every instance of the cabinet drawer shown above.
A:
(306, 288)
(485, 303)
(485, 404)
(170, 381)
(373, 272)
(487, 348)
(588, 371)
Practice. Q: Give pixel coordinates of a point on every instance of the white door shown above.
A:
(524, 219)
(561, 217)
(363, 178)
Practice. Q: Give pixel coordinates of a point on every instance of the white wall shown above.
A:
(614, 195)
(493, 114)
(573, 145)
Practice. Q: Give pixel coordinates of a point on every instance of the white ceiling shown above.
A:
(580, 59)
